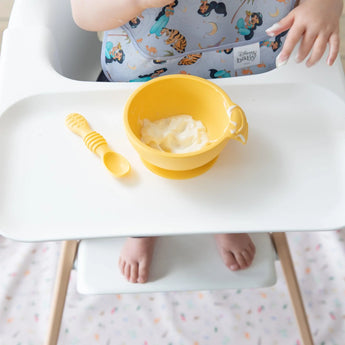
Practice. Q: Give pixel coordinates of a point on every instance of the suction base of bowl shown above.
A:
(179, 175)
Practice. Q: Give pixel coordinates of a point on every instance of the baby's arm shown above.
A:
(317, 23)
(100, 15)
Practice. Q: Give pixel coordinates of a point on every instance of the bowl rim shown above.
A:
(209, 146)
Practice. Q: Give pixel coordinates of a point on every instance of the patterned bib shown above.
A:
(209, 39)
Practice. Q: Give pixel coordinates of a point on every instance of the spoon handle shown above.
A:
(93, 140)
(77, 124)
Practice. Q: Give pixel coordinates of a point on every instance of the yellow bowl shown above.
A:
(183, 94)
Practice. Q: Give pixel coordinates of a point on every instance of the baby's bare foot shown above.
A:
(236, 250)
(135, 258)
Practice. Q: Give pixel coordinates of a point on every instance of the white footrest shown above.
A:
(180, 263)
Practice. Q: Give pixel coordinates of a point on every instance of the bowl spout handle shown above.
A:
(238, 126)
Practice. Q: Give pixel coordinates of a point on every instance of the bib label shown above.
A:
(246, 56)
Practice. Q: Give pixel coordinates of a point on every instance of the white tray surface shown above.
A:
(290, 176)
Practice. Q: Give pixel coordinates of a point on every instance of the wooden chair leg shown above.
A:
(65, 265)
(283, 251)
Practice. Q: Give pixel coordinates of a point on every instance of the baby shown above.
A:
(212, 39)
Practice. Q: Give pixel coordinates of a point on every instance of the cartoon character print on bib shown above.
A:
(210, 39)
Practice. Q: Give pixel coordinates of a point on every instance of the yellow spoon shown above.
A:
(114, 162)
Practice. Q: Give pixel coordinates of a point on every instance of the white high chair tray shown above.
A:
(290, 176)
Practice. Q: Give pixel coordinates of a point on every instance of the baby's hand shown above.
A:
(317, 23)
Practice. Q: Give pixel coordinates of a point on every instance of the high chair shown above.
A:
(48, 68)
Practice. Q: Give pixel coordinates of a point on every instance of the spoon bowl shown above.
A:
(116, 163)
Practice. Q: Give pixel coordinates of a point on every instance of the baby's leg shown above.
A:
(135, 258)
(236, 250)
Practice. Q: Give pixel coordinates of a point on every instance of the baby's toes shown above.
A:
(133, 277)
(143, 272)
(122, 264)
(230, 261)
(247, 257)
(241, 258)
(127, 271)
(130, 271)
